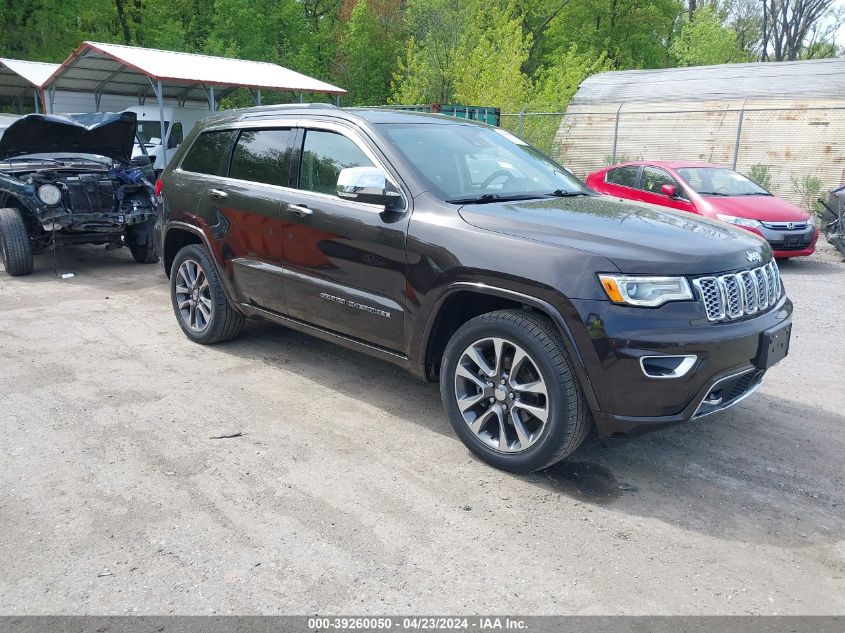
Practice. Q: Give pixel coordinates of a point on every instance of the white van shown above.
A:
(177, 123)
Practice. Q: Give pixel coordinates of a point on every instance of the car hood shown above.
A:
(105, 133)
(763, 208)
(636, 237)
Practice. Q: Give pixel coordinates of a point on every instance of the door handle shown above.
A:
(300, 210)
(218, 194)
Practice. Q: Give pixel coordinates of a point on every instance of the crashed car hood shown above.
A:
(636, 237)
(105, 133)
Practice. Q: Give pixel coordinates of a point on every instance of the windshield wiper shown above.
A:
(491, 197)
(561, 193)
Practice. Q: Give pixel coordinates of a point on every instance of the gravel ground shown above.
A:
(348, 493)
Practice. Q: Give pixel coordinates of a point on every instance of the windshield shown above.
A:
(465, 163)
(149, 132)
(720, 181)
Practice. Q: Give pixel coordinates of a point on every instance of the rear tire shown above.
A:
(15, 246)
(510, 392)
(199, 300)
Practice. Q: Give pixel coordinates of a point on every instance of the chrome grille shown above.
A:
(733, 296)
(785, 226)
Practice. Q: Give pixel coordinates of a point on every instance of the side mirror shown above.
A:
(669, 190)
(367, 184)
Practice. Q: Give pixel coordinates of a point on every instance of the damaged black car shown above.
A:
(71, 179)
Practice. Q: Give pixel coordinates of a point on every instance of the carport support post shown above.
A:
(160, 97)
(37, 102)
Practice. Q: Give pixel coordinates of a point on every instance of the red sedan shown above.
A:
(716, 192)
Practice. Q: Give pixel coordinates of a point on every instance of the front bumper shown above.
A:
(785, 243)
(630, 403)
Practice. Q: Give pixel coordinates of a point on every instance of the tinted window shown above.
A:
(209, 152)
(624, 176)
(262, 156)
(323, 156)
(175, 138)
(653, 179)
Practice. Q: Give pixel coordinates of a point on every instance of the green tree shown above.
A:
(367, 56)
(557, 84)
(48, 30)
(705, 40)
(488, 69)
(426, 70)
(633, 33)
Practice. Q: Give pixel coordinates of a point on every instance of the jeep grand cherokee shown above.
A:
(466, 256)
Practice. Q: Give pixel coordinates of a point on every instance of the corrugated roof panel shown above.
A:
(34, 73)
(812, 78)
(18, 78)
(128, 69)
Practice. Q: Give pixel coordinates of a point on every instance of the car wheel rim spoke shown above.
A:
(501, 394)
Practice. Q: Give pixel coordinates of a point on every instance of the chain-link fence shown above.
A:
(796, 152)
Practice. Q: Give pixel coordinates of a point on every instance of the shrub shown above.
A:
(761, 175)
(808, 189)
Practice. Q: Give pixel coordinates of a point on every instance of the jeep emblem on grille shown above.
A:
(753, 256)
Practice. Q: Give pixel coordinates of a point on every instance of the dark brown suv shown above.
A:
(463, 254)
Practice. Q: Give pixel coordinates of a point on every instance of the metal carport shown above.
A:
(21, 80)
(115, 69)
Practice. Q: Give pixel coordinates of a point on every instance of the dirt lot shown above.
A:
(347, 491)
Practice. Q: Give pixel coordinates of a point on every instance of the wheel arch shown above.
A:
(177, 235)
(452, 310)
(176, 238)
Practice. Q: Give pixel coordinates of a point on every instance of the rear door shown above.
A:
(345, 260)
(621, 181)
(243, 207)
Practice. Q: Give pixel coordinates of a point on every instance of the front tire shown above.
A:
(510, 392)
(142, 243)
(199, 300)
(15, 247)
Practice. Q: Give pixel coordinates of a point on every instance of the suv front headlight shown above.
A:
(635, 290)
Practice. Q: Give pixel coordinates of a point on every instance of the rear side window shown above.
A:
(209, 153)
(623, 176)
(262, 156)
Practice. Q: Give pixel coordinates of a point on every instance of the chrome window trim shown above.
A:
(294, 123)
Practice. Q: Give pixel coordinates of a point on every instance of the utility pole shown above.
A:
(765, 54)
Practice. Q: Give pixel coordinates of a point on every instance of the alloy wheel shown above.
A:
(193, 295)
(501, 394)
